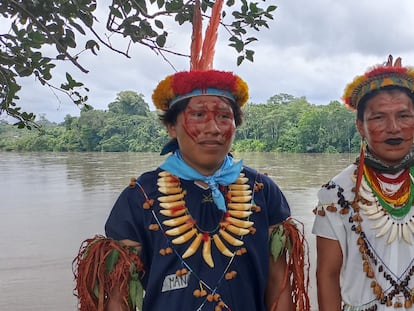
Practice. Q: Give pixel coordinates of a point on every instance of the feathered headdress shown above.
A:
(202, 79)
(387, 74)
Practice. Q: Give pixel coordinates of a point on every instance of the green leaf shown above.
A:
(23, 71)
(37, 38)
(277, 242)
(174, 5)
(111, 260)
(249, 55)
(78, 27)
(70, 38)
(87, 19)
(92, 45)
(159, 24)
(244, 7)
(61, 56)
(115, 12)
(135, 291)
(271, 8)
(142, 5)
(161, 39)
(47, 76)
(160, 3)
(69, 78)
(250, 39)
(240, 60)
(127, 7)
(96, 289)
(254, 9)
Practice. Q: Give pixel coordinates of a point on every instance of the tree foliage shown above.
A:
(283, 124)
(130, 103)
(40, 34)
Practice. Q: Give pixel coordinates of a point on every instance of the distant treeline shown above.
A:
(283, 124)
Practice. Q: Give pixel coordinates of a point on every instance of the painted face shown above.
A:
(388, 126)
(205, 131)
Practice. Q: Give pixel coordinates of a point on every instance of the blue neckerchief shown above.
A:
(225, 175)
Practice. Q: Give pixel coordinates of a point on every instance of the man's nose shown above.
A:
(393, 124)
(211, 126)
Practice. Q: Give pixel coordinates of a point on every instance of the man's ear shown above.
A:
(171, 130)
(360, 127)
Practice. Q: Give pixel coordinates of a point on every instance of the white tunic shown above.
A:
(396, 257)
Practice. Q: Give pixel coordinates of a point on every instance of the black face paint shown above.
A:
(394, 141)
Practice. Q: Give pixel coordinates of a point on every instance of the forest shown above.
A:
(283, 124)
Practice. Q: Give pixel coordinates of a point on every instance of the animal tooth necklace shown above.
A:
(375, 205)
(183, 227)
(180, 227)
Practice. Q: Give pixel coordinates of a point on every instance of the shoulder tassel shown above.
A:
(103, 265)
(287, 237)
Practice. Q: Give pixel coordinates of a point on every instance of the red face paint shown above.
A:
(388, 126)
(390, 122)
(208, 116)
(205, 132)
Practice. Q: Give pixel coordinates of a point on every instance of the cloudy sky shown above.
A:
(312, 49)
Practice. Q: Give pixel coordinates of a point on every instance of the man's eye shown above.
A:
(376, 118)
(225, 116)
(197, 114)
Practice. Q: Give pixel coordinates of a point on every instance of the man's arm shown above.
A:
(115, 302)
(328, 268)
(274, 288)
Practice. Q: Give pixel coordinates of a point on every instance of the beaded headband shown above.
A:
(201, 79)
(387, 74)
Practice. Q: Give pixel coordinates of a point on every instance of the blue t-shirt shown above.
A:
(164, 290)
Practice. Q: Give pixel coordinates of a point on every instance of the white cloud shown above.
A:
(312, 49)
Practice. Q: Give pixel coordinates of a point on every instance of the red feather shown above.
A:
(210, 39)
(196, 38)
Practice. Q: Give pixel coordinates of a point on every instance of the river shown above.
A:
(51, 202)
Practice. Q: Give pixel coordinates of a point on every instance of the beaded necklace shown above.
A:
(366, 202)
(388, 219)
(402, 197)
(366, 205)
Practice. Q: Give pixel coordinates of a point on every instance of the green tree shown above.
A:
(148, 135)
(278, 118)
(310, 130)
(42, 33)
(130, 103)
(281, 98)
(287, 124)
(114, 143)
(288, 142)
(340, 123)
(90, 124)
